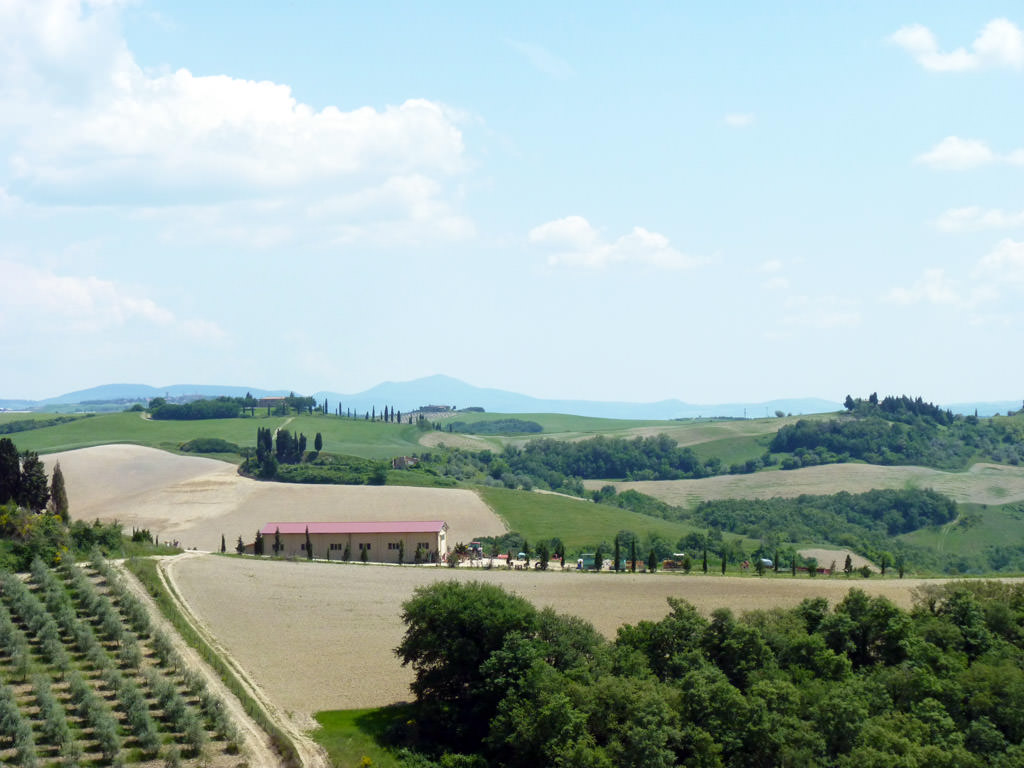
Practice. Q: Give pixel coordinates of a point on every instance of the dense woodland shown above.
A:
(862, 685)
(899, 430)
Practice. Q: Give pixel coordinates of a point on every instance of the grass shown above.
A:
(732, 450)
(576, 522)
(978, 526)
(350, 735)
(146, 571)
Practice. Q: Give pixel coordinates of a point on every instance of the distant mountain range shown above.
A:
(408, 396)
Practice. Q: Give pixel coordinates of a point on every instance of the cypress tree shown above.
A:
(309, 545)
(240, 546)
(632, 555)
(618, 557)
(652, 562)
(704, 562)
(278, 546)
(58, 494)
(223, 544)
(257, 547)
(10, 471)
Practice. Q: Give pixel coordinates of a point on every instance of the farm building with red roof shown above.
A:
(382, 541)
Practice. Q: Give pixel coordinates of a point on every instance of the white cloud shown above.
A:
(543, 60)
(999, 44)
(974, 218)
(934, 287)
(85, 304)
(89, 125)
(956, 154)
(575, 243)
(739, 120)
(1004, 265)
(771, 265)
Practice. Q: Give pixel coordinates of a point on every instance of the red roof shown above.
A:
(407, 526)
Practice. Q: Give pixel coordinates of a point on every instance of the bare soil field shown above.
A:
(194, 500)
(981, 484)
(320, 636)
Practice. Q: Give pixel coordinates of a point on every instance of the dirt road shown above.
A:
(296, 727)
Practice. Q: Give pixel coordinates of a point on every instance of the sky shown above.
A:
(605, 201)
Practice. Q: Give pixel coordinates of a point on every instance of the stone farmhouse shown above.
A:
(381, 540)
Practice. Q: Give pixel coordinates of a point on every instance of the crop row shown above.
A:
(101, 677)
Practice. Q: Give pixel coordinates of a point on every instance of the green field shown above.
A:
(350, 735)
(979, 526)
(372, 440)
(576, 522)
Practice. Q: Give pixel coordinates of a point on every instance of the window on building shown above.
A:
(424, 545)
(394, 545)
(364, 546)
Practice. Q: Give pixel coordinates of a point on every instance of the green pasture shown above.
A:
(127, 427)
(578, 523)
(977, 527)
(732, 450)
(350, 735)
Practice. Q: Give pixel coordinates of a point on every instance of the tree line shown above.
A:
(862, 684)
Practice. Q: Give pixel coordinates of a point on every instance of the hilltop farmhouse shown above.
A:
(382, 541)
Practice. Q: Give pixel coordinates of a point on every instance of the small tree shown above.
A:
(617, 560)
(884, 561)
(687, 564)
(759, 566)
(543, 555)
(900, 564)
(417, 557)
(257, 547)
(598, 559)
(240, 546)
(318, 442)
(652, 561)
(848, 565)
(704, 561)
(812, 567)
(401, 551)
(632, 555)
(223, 544)
(309, 545)
(346, 554)
(364, 554)
(278, 546)
(723, 562)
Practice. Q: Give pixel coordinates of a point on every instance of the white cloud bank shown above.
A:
(88, 125)
(575, 243)
(956, 154)
(1000, 269)
(999, 44)
(973, 218)
(86, 304)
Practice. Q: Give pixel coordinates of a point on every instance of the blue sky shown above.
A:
(574, 200)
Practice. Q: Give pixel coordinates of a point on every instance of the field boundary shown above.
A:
(286, 740)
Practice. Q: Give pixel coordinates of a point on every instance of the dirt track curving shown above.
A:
(256, 743)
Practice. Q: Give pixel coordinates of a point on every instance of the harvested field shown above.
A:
(320, 636)
(195, 500)
(981, 484)
(826, 557)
